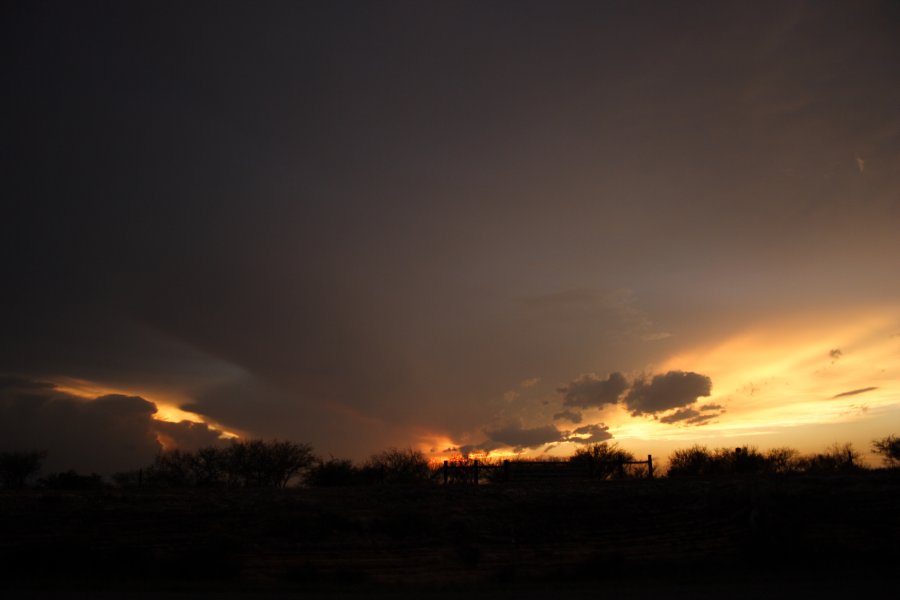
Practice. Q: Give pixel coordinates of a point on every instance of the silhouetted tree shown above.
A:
(257, 463)
(208, 467)
(333, 472)
(171, 468)
(399, 466)
(782, 460)
(835, 458)
(694, 461)
(700, 461)
(16, 468)
(744, 460)
(604, 460)
(889, 449)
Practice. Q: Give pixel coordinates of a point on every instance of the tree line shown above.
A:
(279, 464)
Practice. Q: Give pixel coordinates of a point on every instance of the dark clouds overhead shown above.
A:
(590, 434)
(517, 436)
(693, 416)
(591, 391)
(666, 391)
(568, 415)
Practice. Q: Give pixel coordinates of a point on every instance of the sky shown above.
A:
(507, 227)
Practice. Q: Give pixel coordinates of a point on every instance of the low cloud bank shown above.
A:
(106, 434)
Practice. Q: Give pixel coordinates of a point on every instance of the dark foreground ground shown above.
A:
(738, 538)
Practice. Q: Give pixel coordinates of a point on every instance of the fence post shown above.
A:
(649, 466)
(506, 470)
(475, 471)
(621, 468)
(140, 477)
(446, 471)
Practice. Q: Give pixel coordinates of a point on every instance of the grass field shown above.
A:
(734, 536)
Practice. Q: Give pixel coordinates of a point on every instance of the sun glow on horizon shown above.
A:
(789, 374)
(789, 381)
(795, 370)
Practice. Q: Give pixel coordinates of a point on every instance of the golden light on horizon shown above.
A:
(797, 371)
(810, 368)
(780, 383)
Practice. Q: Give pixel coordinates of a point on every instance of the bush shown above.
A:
(782, 460)
(836, 458)
(171, 468)
(257, 463)
(398, 466)
(16, 468)
(604, 460)
(700, 461)
(252, 463)
(333, 472)
(889, 449)
(694, 461)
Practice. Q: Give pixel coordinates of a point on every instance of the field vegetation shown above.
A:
(272, 515)
(280, 464)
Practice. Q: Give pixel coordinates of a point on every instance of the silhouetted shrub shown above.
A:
(699, 461)
(252, 463)
(605, 461)
(16, 468)
(745, 460)
(333, 472)
(209, 467)
(694, 461)
(836, 458)
(171, 468)
(398, 466)
(257, 463)
(889, 449)
(782, 460)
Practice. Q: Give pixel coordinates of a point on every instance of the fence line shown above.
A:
(508, 467)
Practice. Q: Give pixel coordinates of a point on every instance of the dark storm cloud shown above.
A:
(701, 419)
(519, 437)
(680, 415)
(854, 392)
(663, 392)
(694, 415)
(107, 434)
(590, 434)
(591, 391)
(569, 415)
(485, 446)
